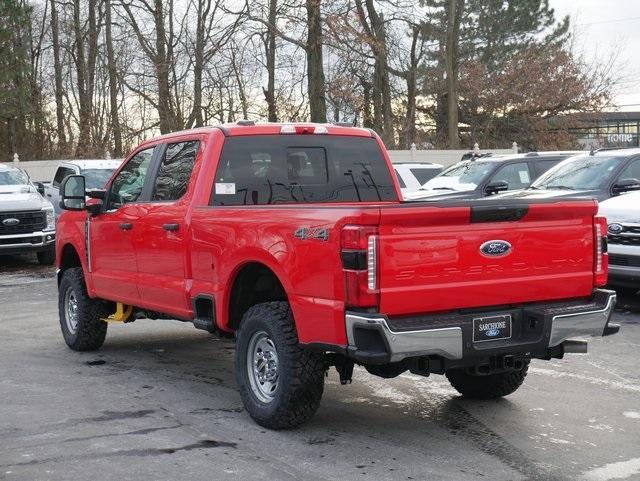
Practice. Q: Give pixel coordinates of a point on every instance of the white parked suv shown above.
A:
(27, 220)
(623, 217)
(412, 175)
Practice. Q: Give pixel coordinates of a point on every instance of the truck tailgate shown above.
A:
(430, 256)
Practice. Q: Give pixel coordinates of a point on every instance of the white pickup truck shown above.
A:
(27, 220)
(96, 173)
(623, 218)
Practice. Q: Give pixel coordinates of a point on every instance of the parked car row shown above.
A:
(28, 209)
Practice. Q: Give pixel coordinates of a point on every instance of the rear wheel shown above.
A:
(488, 386)
(80, 316)
(626, 291)
(280, 382)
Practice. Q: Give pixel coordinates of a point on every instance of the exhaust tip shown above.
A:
(574, 346)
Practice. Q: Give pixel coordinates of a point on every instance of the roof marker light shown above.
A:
(320, 129)
(288, 129)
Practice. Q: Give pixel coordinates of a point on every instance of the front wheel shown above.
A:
(81, 318)
(46, 258)
(488, 386)
(280, 382)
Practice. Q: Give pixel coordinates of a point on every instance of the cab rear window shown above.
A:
(285, 169)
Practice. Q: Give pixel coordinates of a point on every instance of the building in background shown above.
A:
(607, 129)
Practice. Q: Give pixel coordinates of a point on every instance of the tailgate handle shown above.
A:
(490, 213)
(126, 226)
(171, 227)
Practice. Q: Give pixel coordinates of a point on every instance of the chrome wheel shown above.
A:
(262, 366)
(71, 311)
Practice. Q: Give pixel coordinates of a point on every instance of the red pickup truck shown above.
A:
(292, 238)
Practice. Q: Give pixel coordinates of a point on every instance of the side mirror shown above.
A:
(496, 186)
(72, 193)
(626, 185)
(39, 187)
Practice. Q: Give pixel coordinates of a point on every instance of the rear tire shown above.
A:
(626, 291)
(80, 316)
(487, 387)
(280, 382)
(46, 258)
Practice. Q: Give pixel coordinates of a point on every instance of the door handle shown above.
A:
(126, 226)
(171, 227)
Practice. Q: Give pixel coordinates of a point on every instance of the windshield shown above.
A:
(13, 177)
(97, 178)
(579, 173)
(462, 176)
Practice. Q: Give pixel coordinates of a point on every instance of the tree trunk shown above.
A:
(315, 67)
(198, 66)
(113, 83)
(84, 109)
(409, 131)
(161, 64)
(454, 8)
(57, 69)
(270, 53)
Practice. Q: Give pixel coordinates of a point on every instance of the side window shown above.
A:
(424, 175)
(61, 174)
(541, 166)
(127, 186)
(400, 179)
(631, 171)
(516, 175)
(175, 171)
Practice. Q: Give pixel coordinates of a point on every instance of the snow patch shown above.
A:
(619, 470)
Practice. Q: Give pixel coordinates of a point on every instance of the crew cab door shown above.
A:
(160, 240)
(112, 256)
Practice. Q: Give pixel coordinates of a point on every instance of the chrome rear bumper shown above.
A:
(561, 323)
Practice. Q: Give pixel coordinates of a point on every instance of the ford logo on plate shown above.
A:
(492, 333)
(11, 221)
(495, 248)
(615, 228)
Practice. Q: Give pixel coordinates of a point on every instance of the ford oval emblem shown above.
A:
(492, 333)
(495, 248)
(10, 221)
(615, 228)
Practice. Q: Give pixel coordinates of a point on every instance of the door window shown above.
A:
(631, 171)
(175, 171)
(61, 174)
(516, 175)
(128, 184)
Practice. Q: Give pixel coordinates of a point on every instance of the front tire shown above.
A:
(280, 382)
(489, 386)
(46, 258)
(80, 316)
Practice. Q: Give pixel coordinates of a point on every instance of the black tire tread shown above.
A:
(46, 258)
(302, 399)
(487, 387)
(92, 330)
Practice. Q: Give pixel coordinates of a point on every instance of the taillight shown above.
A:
(601, 257)
(359, 251)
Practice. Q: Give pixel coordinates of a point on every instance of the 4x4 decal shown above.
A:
(304, 233)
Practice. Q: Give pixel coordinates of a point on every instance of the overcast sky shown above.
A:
(604, 28)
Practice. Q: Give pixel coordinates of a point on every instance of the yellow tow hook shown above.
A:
(122, 314)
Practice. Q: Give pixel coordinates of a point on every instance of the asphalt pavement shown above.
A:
(158, 402)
